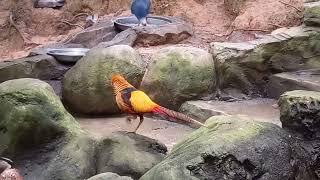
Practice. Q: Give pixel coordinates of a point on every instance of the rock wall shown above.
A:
(249, 65)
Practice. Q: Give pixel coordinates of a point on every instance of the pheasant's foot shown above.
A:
(130, 118)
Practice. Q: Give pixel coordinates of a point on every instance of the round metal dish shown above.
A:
(123, 23)
(68, 54)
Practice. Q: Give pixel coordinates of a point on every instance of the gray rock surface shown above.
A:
(171, 33)
(289, 81)
(232, 148)
(129, 154)
(41, 66)
(248, 65)
(87, 85)
(178, 74)
(92, 36)
(259, 109)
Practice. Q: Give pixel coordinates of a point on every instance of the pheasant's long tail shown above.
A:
(176, 115)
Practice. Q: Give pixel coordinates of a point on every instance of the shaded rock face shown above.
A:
(234, 7)
(67, 158)
(232, 148)
(312, 15)
(42, 67)
(300, 112)
(248, 65)
(289, 81)
(259, 109)
(48, 3)
(29, 107)
(87, 85)
(172, 33)
(41, 137)
(178, 74)
(109, 176)
(129, 154)
(92, 36)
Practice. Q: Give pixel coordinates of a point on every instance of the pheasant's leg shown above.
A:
(141, 120)
(131, 117)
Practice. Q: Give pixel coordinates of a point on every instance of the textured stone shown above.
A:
(300, 112)
(43, 67)
(289, 81)
(87, 85)
(232, 148)
(129, 154)
(178, 74)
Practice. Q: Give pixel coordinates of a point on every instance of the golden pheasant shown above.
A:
(136, 103)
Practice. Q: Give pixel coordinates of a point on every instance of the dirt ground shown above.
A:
(213, 20)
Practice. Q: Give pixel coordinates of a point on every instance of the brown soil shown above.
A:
(213, 20)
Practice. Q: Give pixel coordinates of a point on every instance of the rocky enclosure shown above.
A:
(46, 142)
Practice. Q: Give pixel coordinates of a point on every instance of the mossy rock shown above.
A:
(178, 74)
(42, 138)
(129, 154)
(300, 112)
(312, 16)
(29, 107)
(248, 65)
(231, 148)
(87, 85)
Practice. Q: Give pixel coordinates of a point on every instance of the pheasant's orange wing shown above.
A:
(141, 103)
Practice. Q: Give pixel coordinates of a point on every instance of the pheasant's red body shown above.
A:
(135, 102)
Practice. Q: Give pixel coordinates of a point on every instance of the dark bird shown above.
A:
(136, 103)
(6, 170)
(140, 8)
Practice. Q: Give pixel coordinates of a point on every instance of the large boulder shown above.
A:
(109, 176)
(312, 14)
(43, 139)
(126, 37)
(70, 157)
(129, 154)
(231, 148)
(248, 65)
(87, 85)
(300, 112)
(42, 67)
(177, 74)
(29, 107)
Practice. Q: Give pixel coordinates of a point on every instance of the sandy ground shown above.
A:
(171, 133)
(166, 132)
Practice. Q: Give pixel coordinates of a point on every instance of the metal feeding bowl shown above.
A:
(123, 23)
(68, 54)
